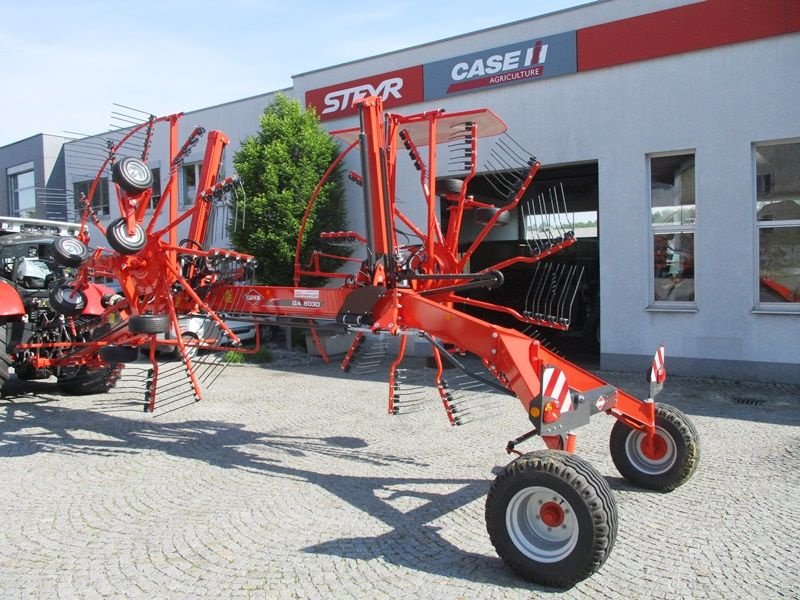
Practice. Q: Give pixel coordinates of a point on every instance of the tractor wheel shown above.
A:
(67, 301)
(552, 518)
(148, 324)
(119, 354)
(667, 462)
(85, 381)
(26, 372)
(132, 175)
(69, 251)
(449, 185)
(119, 240)
(483, 215)
(5, 359)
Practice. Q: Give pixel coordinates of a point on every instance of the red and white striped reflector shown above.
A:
(658, 374)
(554, 385)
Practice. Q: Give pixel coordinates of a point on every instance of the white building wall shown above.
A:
(715, 103)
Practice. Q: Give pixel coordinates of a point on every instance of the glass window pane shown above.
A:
(779, 264)
(778, 181)
(156, 196)
(189, 184)
(672, 190)
(673, 266)
(23, 191)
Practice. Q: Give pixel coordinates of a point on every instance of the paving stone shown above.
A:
(292, 481)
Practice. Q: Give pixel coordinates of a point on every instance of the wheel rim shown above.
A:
(72, 247)
(70, 297)
(136, 171)
(652, 457)
(542, 524)
(135, 240)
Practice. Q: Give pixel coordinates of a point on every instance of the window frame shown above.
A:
(655, 228)
(102, 190)
(761, 306)
(184, 203)
(13, 189)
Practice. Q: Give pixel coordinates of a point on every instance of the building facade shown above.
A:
(33, 178)
(672, 126)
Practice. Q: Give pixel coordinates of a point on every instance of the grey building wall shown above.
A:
(44, 151)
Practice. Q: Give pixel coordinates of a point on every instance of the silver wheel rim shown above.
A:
(133, 240)
(71, 296)
(136, 171)
(72, 247)
(533, 536)
(645, 464)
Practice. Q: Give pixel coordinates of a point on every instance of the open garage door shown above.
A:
(577, 184)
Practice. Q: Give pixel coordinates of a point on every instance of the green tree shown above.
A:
(280, 167)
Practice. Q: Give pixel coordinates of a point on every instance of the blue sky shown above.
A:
(65, 63)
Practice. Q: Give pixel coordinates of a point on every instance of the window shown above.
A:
(22, 192)
(672, 218)
(156, 188)
(190, 175)
(778, 219)
(100, 199)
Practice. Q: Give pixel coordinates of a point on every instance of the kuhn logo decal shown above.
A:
(253, 297)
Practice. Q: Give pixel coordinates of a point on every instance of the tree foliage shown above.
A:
(280, 168)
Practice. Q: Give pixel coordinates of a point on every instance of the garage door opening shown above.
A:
(577, 184)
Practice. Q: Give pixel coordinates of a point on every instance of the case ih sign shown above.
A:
(525, 61)
(537, 58)
(394, 88)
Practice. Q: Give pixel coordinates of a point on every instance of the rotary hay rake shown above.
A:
(550, 515)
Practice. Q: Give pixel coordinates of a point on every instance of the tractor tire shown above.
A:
(132, 175)
(119, 240)
(5, 359)
(149, 324)
(67, 301)
(552, 518)
(26, 372)
(89, 381)
(449, 185)
(672, 460)
(69, 251)
(119, 354)
(483, 215)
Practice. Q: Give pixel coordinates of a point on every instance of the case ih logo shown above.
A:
(394, 88)
(534, 59)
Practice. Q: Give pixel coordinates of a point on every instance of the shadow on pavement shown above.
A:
(39, 425)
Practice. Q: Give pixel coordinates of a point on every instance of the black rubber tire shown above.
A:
(26, 372)
(119, 240)
(119, 354)
(89, 381)
(69, 251)
(682, 451)
(589, 518)
(67, 301)
(449, 185)
(5, 359)
(483, 215)
(132, 175)
(148, 324)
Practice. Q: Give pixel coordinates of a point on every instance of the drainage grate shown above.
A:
(749, 401)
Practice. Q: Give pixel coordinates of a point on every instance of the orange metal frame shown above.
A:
(384, 297)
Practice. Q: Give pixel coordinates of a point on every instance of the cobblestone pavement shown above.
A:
(291, 481)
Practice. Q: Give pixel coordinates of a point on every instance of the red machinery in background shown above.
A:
(550, 515)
